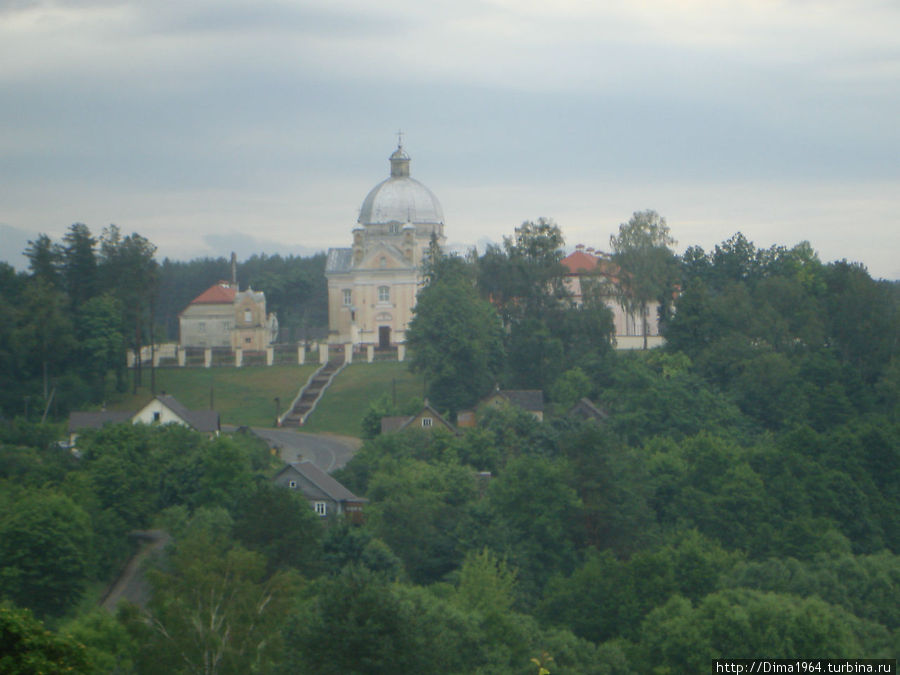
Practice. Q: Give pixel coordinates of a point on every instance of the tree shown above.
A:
(127, 265)
(45, 552)
(455, 339)
(646, 263)
(418, 509)
(45, 335)
(44, 259)
(525, 278)
(79, 264)
(101, 342)
(213, 609)
(27, 648)
(279, 524)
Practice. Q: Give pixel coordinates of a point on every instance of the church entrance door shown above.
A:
(384, 337)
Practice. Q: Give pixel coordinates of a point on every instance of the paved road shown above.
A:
(326, 451)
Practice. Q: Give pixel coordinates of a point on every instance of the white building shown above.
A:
(372, 286)
(223, 316)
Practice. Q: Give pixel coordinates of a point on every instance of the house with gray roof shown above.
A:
(162, 409)
(328, 498)
(427, 419)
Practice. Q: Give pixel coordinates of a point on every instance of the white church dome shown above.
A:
(400, 199)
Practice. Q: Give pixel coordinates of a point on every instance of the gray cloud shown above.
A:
(188, 119)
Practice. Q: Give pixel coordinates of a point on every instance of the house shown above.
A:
(529, 400)
(427, 419)
(587, 411)
(223, 316)
(79, 421)
(327, 497)
(593, 271)
(162, 409)
(165, 409)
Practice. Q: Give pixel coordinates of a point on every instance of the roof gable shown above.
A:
(393, 257)
(217, 294)
(579, 261)
(416, 421)
(328, 485)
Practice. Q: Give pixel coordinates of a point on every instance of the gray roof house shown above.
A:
(163, 409)
(586, 410)
(326, 496)
(427, 418)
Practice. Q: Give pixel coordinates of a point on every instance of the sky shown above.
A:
(259, 126)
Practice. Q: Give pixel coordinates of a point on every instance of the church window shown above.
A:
(383, 261)
(248, 340)
(384, 294)
(348, 296)
(248, 316)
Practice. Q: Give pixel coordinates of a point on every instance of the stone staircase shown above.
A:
(311, 393)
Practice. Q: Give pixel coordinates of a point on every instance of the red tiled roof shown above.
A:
(579, 261)
(215, 295)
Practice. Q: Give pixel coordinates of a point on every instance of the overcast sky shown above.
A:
(259, 126)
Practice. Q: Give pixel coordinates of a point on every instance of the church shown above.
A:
(372, 286)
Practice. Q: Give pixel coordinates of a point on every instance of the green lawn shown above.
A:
(342, 408)
(240, 395)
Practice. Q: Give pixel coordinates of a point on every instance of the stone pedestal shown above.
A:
(238, 357)
(401, 352)
(370, 353)
(323, 353)
(182, 357)
(270, 356)
(348, 353)
(301, 354)
(207, 357)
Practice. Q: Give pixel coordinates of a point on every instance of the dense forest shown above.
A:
(740, 497)
(85, 300)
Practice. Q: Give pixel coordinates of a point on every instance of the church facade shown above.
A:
(372, 285)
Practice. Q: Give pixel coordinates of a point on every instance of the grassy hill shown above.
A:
(241, 395)
(347, 399)
(247, 395)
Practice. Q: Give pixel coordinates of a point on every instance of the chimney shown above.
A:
(233, 270)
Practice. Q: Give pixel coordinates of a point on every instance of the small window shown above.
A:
(248, 340)
(201, 327)
(384, 294)
(156, 417)
(348, 296)
(248, 316)
(383, 261)
(292, 484)
(427, 421)
(321, 508)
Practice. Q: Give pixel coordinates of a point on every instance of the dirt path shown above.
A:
(131, 584)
